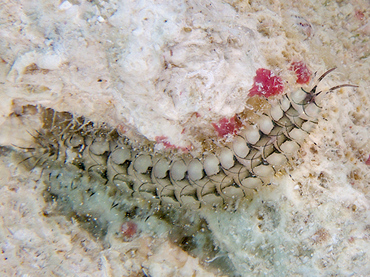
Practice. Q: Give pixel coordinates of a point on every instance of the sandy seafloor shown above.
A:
(151, 66)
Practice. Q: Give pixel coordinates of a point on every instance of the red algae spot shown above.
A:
(196, 114)
(122, 129)
(359, 15)
(368, 161)
(302, 72)
(168, 145)
(266, 84)
(128, 229)
(227, 126)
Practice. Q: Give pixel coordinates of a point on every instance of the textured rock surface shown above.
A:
(168, 72)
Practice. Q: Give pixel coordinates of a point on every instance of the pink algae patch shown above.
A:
(128, 229)
(226, 126)
(266, 84)
(368, 161)
(359, 15)
(302, 72)
(168, 145)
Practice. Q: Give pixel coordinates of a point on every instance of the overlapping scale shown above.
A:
(230, 173)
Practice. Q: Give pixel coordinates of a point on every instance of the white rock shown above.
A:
(49, 61)
(65, 6)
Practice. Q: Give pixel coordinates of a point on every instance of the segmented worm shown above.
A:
(230, 173)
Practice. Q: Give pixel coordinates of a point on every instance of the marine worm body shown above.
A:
(222, 177)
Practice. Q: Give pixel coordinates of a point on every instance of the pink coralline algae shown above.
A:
(367, 162)
(266, 84)
(227, 126)
(302, 72)
(128, 229)
(164, 140)
(359, 15)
